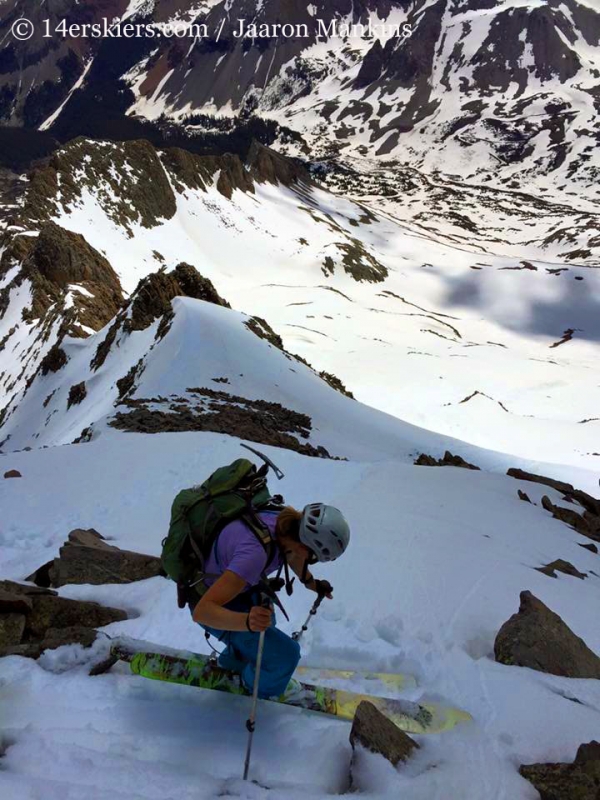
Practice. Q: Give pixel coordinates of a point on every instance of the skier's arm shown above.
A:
(209, 611)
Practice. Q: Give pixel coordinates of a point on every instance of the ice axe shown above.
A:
(266, 459)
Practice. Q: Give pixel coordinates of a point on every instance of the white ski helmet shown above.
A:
(324, 530)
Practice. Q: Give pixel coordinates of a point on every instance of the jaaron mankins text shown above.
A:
(327, 29)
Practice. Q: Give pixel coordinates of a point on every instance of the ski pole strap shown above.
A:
(268, 592)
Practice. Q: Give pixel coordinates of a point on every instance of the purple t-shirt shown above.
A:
(238, 549)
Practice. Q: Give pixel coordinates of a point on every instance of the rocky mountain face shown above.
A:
(488, 91)
(54, 284)
(484, 119)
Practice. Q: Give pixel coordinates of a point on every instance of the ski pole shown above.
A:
(251, 721)
(296, 636)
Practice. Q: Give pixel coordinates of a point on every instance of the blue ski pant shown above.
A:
(281, 655)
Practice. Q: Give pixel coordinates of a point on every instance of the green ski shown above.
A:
(202, 672)
(125, 647)
(398, 681)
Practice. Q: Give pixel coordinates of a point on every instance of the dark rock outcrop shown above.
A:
(267, 166)
(561, 566)
(448, 460)
(261, 328)
(55, 359)
(590, 503)
(371, 67)
(335, 383)
(376, 733)
(577, 781)
(12, 587)
(13, 473)
(59, 259)
(587, 524)
(153, 296)
(538, 638)
(255, 420)
(134, 185)
(77, 394)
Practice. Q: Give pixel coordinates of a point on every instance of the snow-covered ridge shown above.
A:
(496, 350)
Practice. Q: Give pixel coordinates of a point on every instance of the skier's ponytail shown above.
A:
(288, 523)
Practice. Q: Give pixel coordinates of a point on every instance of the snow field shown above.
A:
(458, 331)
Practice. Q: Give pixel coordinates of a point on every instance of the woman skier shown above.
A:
(231, 607)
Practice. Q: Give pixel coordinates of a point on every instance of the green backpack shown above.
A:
(199, 514)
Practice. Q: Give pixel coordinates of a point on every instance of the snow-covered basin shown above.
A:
(437, 560)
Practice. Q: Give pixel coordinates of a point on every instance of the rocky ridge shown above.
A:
(53, 284)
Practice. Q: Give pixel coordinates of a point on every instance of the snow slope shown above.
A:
(446, 322)
(171, 367)
(437, 560)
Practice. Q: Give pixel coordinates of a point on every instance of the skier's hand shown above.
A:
(259, 619)
(324, 589)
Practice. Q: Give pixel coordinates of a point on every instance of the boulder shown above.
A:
(13, 473)
(41, 577)
(13, 603)
(55, 637)
(87, 558)
(88, 537)
(12, 627)
(561, 566)
(523, 496)
(60, 612)
(34, 619)
(376, 733)
(22, 589)
(538, 638)
(577, 781)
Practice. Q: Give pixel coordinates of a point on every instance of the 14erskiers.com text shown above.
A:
(242, 29)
